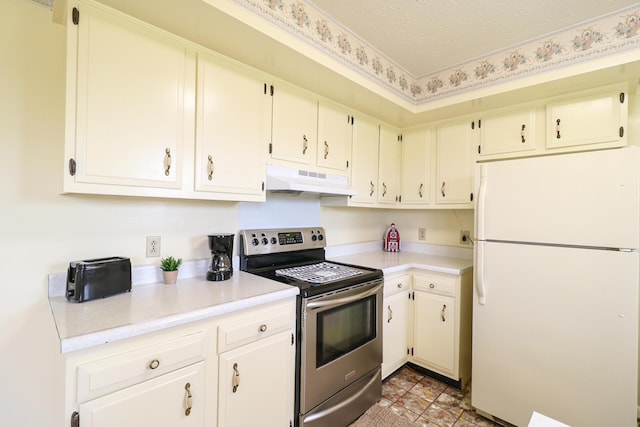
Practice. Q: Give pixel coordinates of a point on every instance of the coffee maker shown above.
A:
(220, 267)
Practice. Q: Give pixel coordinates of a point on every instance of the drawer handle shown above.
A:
(431, 285)
(390, 315)
(188, 399)
(154, 364)
(236, 377)
(444, 307)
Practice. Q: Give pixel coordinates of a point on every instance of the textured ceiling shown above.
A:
(426, 36)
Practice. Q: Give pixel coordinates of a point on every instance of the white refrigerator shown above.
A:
(555, 313)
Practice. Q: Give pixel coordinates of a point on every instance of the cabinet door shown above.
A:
(592, 119)
(294, 132)
(232, 130)
(434, 320)
(389, 166)
(334, 137)
(161, 402)
(508, 132)
(133, 87)
(256, 383)
(454, 163)
(395, 332)
(364, 171)
(416, 167)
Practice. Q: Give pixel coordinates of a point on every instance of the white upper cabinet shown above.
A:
(592, 118)
(130, 88)
(454, 163)
(364, 168)
(389, 165)
(335, 129)
(232, 130)
(294, 126)
(416, 167)
(507, 132)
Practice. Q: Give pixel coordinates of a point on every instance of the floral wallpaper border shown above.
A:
(600, 37)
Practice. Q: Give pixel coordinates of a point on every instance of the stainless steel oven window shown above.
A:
(344, 328)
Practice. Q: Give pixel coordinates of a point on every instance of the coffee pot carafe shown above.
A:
(221, 264)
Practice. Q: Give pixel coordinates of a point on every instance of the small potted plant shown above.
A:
(169, 266)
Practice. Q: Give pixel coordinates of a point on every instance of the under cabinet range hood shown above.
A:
(297, 182)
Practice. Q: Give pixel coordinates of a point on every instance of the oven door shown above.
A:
(341, 340)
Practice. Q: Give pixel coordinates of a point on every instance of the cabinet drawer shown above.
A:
(435, 283)
(393, 285)
(241, 330)
(106, 375)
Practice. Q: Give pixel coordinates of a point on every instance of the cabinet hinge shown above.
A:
(621, 97)
(473, 125)
(265, 88)
(413, 296)
(272, 90)
(72, 167)
(400, 138)
(471, 197)
(347, 164)
(412, 351)
(262, 185)
(479, 149)
(408, 351)
(75, 419)
(479, 123)
(270, 147)
(291, 339)
(621, 131)
(75, 16)
(400, 198)
(352, 120)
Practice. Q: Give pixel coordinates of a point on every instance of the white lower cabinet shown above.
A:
(232, 370)
(256, 368)
(427, 321)
(395, 323)
(175, 399)
(255, 384)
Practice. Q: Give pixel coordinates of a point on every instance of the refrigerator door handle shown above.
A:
(482, 194)
(480, 272)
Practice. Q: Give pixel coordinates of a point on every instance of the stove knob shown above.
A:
(320, 237)
(265, 241)
(274, 240)
(255, 242)
(314, 237)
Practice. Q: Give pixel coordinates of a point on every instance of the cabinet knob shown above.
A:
(167, 161)
(154, 364)
(188, 399)
(263, 328)
(431, 285)
(209, 168)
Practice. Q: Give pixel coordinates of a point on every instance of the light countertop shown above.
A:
(156, 306)
(394, 262)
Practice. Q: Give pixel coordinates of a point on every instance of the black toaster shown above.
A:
(98, 278)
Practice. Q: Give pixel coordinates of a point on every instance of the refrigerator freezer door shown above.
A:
(582, 199)
(558, 334)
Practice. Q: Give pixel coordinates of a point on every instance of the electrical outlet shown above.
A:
(153, 246)
(465, 237)
(422, 234)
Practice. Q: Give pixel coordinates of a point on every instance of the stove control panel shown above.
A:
(269, 241)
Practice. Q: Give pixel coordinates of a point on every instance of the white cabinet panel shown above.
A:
(232, 130)
(416, 167)
(454, 163)
(395, 331)
(434, 319)
(334, 137)
(175, 399)
(389, 166)
(132, 88)
(364, 171)
(507, 132)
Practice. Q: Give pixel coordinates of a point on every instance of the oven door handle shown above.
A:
(345, 300)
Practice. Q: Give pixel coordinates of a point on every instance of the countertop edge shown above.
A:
(130, 331)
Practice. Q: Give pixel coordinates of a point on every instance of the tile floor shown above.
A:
(429, 402)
